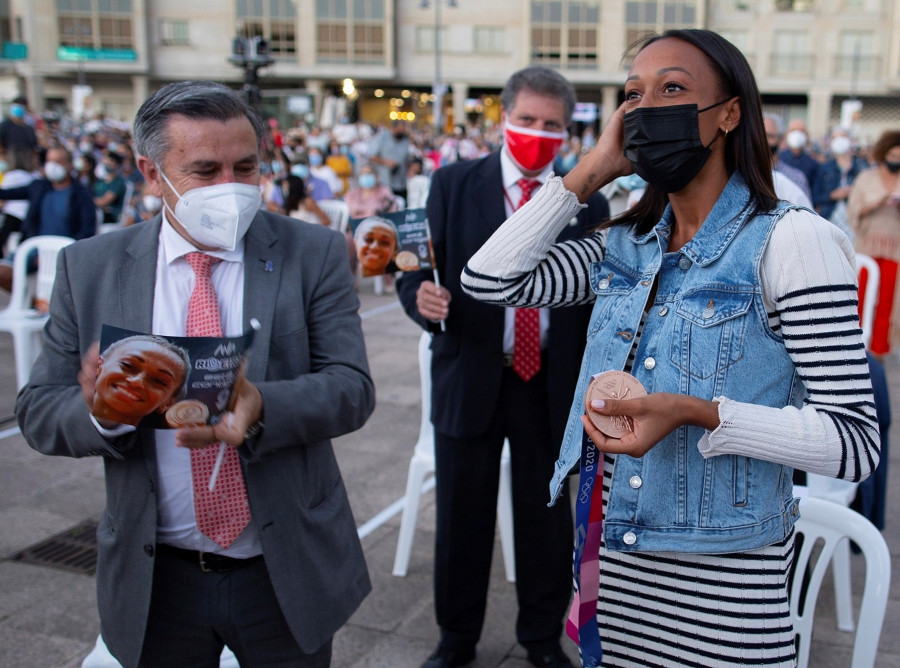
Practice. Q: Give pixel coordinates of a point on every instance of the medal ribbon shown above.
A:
(581, 625)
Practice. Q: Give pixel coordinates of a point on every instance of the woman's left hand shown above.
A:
(652, 418)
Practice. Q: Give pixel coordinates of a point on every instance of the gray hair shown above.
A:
(197, 100)
(776, 119)
(543, 81)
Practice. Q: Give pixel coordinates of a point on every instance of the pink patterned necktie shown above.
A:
(527, 346)
(223, 512)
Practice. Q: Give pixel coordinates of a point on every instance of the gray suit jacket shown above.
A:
(309, 362)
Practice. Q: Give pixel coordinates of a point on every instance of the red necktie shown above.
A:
(223, 512)
(527, 346)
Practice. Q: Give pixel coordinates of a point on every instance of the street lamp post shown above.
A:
(439, 88)
(251, 54)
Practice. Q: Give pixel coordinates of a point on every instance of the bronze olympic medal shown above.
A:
(187, 413)
(612, 385)
(406, 261)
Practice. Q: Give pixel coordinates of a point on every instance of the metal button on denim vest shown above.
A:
(706, 334)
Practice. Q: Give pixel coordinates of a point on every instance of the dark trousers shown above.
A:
(193, 615)
(467, 473)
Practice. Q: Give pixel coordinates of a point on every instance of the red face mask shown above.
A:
(531, 149)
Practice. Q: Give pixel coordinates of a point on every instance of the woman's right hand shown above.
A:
(605, 162)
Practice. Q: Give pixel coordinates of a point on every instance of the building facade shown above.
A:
(411, 58)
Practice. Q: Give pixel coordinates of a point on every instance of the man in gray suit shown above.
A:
(168, 594)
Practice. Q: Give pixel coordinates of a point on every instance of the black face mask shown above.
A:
(663, 144)
(892, 167)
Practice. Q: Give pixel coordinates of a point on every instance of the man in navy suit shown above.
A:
(483, 392)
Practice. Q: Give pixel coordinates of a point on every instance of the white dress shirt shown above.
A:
(512, 193)
(176, 522)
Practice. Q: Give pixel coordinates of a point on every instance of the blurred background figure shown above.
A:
(417, 184)
(797, 154)
(835, 178)
(775, 136)
(19, 172)
(109, 188)
(369, 197)
(873, 210)
(790, 189)
(15, 129)
(320, 170)
(389, 152)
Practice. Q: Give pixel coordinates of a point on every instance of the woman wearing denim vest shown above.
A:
(737, 313)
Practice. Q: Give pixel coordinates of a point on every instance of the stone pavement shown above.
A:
(48, 616)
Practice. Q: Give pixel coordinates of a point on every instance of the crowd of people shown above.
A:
(699, 292)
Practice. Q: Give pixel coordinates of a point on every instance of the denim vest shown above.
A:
(706, 335)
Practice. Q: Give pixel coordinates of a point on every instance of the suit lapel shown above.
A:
(137, 278)
(489, 196)
(263, 266)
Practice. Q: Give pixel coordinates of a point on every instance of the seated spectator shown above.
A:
(368, 197)
(339, 161)
(316, 188)
(298, 200)
(320, 170)
(835, 178)
(109, 189)
(86, 169)
(58, 204)
(19, 172)
(417, 184)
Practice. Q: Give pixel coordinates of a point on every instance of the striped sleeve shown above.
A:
(809, 287)
(520, 265)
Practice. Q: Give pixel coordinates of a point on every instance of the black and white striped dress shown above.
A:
(681, 609)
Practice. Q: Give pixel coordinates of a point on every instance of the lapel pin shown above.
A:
(269, 266)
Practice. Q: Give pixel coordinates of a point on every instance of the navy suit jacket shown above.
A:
(465, 206)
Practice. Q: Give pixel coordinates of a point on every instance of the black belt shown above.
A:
(209, 562)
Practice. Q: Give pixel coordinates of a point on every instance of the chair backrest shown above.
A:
(338, 213)
(47, 247)
(823, 525)
(426, 430)
(870, 297)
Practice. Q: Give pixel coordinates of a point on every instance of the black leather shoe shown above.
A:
(447, 657)
(549, 658)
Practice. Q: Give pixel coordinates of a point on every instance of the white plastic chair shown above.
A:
(827, 527)
(338, 212)
(870, 297)
(422, 465)
(22, 321)
(101, 658)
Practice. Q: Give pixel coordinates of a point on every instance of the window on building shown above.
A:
(95, 24)
(173, 32)
(643, 17)
(351, 31)
(792, 56)
(6, 32)
(489, 39)
(565, 33)
(856, 55)
(741, 39)
(273, 20)
(794, 5)
(425, 38)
